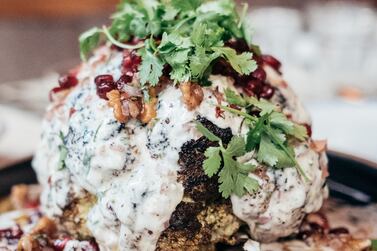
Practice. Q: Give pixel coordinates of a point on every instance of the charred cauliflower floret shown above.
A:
(73, 219)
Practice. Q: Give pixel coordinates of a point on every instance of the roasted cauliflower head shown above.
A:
(177, 139)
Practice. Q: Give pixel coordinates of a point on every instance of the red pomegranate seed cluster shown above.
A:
(254, 84)
(271, 61)
(308, 130)
(131, 62)
(105, 83)
(65, 82)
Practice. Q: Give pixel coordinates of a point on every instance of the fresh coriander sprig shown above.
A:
(221, 160)
(188, 36)
(269, 132)
(90, 39)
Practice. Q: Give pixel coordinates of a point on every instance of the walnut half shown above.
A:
(192, 94)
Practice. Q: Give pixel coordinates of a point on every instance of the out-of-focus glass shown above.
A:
(325, 47)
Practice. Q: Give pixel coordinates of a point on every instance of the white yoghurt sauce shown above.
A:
(132, 169)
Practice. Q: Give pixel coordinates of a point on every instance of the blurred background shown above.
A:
(328, 50)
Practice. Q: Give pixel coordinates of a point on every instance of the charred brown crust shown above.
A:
(196, 183)
(185, 219)
(225, 134)
(199, 220)
(75, 214)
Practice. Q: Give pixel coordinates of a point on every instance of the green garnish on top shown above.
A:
(269, 132)
(186, 35)
(269, 138)
(233, 176)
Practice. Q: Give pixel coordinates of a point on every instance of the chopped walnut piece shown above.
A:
(115, 102)
(192, 95)
(44, 228)
(149, 111)
(25, 196)
(133, 108)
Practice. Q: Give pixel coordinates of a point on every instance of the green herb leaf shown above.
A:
(236, 147)
(255, 134)
(88, 41)
(242, 63)
(245, 184)
(233, 176)
(227, 176)
(213, 162)
(272, 154)
(268, 133)
(280, 121)
(235, 99)
(265, 106)
(184, 5)
(150, 68)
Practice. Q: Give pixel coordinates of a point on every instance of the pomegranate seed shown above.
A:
(233, 106)
(65, 82)
(242, 80)
(124, 79)
(257, 59)
(259, 74)
(271, 61)
(219, 112)
(221, 67)
(68, 81)
(105, 84)
(59, 245)
(131, 62)
(267, 92)
(253, 87)
(308, 130)
(239, 45)
(166, 71)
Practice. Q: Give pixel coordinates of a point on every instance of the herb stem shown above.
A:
(235, 111)
(243, 15)
(106, 31)
(179, 25)
(278, 142)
